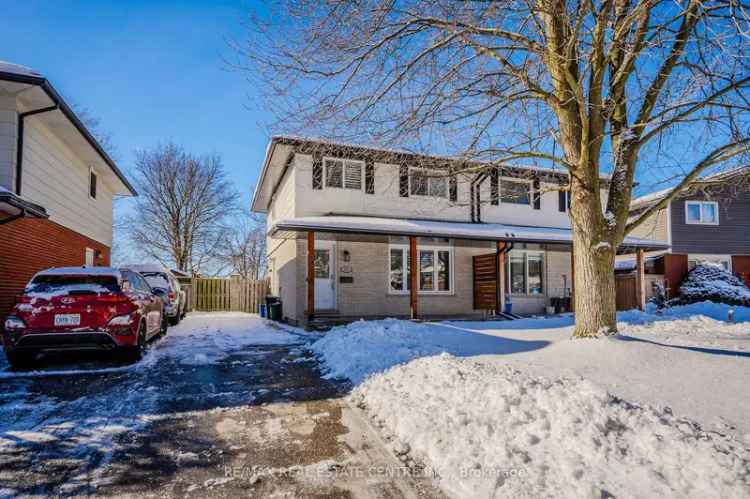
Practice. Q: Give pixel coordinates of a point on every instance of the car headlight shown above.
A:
(121, 320)
(14, 324)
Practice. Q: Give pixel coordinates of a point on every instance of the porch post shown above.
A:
(572, 278)
(640, 278)
(413, 276)
(310, 275)
(500, 283)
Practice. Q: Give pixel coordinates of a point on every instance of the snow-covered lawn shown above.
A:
(518, 409)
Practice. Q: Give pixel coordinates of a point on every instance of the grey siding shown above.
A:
(730, 237)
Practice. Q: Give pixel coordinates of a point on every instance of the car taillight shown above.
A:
(14, 324)
(171, 295)
(121, 320)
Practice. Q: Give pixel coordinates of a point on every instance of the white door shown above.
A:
(325, 275)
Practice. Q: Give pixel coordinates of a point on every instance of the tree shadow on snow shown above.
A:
(712, 351)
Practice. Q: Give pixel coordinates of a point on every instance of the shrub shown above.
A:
(712, 283)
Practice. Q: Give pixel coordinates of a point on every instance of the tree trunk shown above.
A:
(594, 297)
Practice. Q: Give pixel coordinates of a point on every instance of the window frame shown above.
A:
(435, 249)
(431, 175)
(344, 162)
(529, 184)
(700, 220)
(93, 174)
(543, 272)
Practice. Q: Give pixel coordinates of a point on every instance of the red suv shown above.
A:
(80, 308)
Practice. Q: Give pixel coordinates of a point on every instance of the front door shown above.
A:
(325, 275)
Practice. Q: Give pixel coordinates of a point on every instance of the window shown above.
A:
(342, 173)
(426, 183)
(92, 184)
(515, 191)
(526, 273)
(435, 267)
(702, 212)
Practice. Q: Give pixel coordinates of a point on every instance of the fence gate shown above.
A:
(227, 294)
(625, 292)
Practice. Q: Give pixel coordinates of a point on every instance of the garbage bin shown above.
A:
(263, 310)
(508, 305)
(273, 308)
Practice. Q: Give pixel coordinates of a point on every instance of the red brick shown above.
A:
(29, 245)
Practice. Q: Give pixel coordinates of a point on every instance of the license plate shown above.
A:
(67, 319)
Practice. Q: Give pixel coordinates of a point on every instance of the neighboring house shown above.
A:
(56, 184)
(475, 236)
(708, 222)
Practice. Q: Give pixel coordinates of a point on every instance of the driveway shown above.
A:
(224, 405)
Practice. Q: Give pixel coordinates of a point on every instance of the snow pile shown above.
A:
(490, 431)
(358, 349)
(713, 283)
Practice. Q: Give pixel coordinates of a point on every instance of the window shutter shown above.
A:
(317, 172)
(369, 177)
(494, 187)
(403, 181)
(453, 188)
(562, 200)
(537, 194)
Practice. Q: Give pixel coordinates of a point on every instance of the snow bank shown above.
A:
(491, 431)
(358, 349)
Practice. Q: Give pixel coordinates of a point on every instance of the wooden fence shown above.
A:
(227, 294)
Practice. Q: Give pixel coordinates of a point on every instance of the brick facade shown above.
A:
(29, 245)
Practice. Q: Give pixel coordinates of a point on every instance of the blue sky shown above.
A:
(151, 71)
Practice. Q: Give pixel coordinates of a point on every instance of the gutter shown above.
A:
(60, 103)
(19, 142)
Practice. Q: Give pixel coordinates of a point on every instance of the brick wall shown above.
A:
(29, 245)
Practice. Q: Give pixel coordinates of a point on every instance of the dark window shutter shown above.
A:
(369, 177)
(537, 194)
(403, 181)
(317, 172)
(494, 187)
(562, 200)
(453, 188)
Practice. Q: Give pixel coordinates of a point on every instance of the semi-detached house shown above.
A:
(57, 184)
(345, 222)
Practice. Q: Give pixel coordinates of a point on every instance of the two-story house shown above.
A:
(708, 222)
(57, 184)
(350, 221)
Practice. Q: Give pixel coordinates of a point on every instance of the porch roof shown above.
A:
(434, 228)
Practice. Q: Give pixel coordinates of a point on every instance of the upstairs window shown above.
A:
(702, 212)
(515, 191)
(92, 184)
(343, 174)
(428, 183)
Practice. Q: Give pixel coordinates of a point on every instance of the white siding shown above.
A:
(8, 127)
(283, 203)
(54, 177)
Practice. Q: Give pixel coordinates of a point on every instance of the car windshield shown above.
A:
(156, 279)
(65, 284)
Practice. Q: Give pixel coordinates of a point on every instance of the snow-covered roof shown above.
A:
(14, 205)
(653, 197)
(9, 67)
(99, 271)
(434, 228)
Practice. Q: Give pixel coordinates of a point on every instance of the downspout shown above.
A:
(476, 198)
(19, 142)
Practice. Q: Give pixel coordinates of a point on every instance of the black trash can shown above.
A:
(273, 306)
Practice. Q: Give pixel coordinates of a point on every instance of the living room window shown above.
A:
(434, 271)
(526, 272)
(702, 212)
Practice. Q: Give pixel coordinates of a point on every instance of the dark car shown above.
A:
(160, 278)
(79, 308)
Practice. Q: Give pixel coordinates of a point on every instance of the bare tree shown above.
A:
(244, 252)
(183, 208)
(625, 87)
